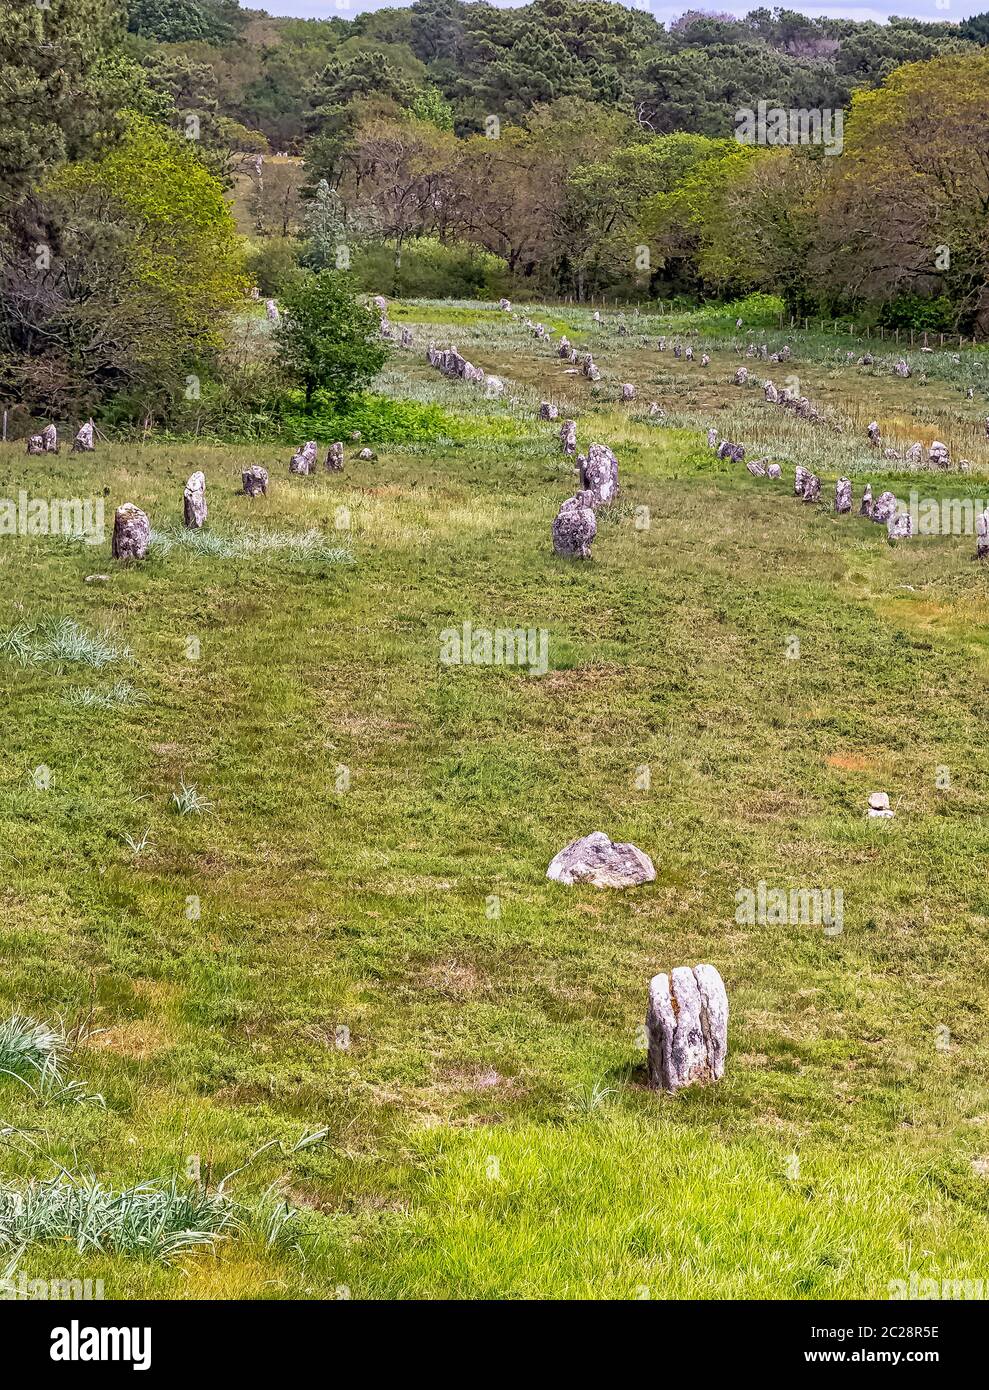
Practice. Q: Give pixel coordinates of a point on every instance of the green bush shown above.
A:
(379, 419)
(272, 264)
(914, 311)
(431, 269)
(328, 341)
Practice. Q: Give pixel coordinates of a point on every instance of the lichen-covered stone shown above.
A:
(574, 527)
(599, 861)
(131, 533)
(305, 460)
(843, 495)
(686, 1028)
(85, 440)
(599, 474)
(194, 509)
(255, 481)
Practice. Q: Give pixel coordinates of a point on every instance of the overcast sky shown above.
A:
(918, 9)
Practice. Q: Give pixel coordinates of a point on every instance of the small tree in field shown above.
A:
(327, 339)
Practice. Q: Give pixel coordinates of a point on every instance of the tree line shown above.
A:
(566, 148)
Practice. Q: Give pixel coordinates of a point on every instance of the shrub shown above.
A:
(272, 264)
(431, 269)
(328, 340)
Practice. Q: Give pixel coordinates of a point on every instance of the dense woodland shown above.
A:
(566, 148)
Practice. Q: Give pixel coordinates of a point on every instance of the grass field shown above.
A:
(353, 937)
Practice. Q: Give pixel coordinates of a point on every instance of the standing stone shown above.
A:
(305, 460)
(597, 860)
(131, 533)
(688, 353)
(741, 376)
(879, 807)
(677, 350)
(564, 349)
(548, 411)
(812, 488)
(599, 475)
(334, 457)
(982, 531)
(883, 508)
(874, 436)
(938, 455)
(194, 509)
(705, 360)
(712, 438)
(35, 444)
(771, 393)
(628, 391)
(271, 311)
(687, 1028)
(900, 526)
(568, 437)
(505, 305)
(843, 495)
(756, 468)
(661, 344)
(901, 368)
(255, 481)
(774, 471)
(49, 437)
(574, 527)
(914, 453)
(655, 408)
(380, 302)
(407, 340)
(800, 477)
(866, 507)
(84, 442)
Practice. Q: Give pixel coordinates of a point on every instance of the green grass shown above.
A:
(359, 937)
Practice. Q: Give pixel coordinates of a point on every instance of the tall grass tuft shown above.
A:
(62, 640)
(154, 1220)
(27, 1046)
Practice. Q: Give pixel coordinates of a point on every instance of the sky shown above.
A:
(947, 10)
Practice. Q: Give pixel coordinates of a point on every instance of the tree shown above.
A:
(54, 99)
(328, 340)
(906, 209)
(117, 276)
